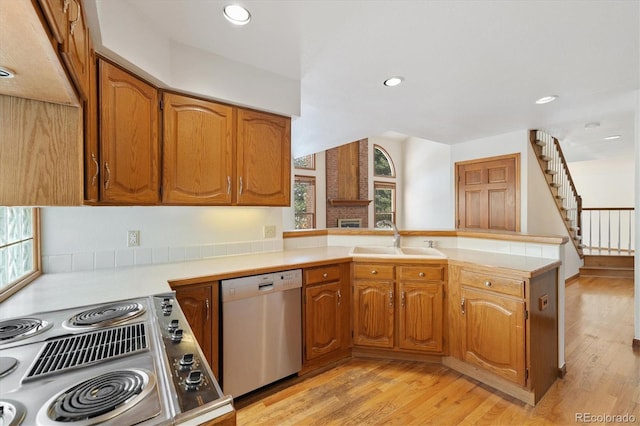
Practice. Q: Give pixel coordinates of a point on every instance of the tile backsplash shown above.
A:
(106, 259)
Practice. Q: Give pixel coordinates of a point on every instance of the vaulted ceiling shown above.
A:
(471, 68)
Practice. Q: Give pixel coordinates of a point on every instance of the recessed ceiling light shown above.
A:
(393, 81)
(6, 73)
(612, 137)
(546, 99)
(592, 125)
(236, 14)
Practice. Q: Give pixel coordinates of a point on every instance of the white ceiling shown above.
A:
(472, 68)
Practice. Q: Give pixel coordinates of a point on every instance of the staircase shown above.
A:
(555, 169)
(612, 266)
(611, 256)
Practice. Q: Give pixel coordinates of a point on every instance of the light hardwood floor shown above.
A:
(603, 378)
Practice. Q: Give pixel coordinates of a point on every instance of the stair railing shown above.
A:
(609, 230)
(554, 165)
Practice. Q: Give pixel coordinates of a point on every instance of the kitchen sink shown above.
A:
(400, 252)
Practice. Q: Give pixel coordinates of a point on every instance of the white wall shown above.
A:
(637, 206)
(599, 182)
(85, 238)
(428, 194)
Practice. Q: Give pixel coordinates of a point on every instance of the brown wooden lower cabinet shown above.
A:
(326, 315)
(505, 323)
(200, 304)
(399, 307)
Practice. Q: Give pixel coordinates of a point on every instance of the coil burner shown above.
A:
(20, 328)
(106, 315)
(100, 398)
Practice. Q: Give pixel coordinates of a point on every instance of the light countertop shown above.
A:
(61, 291)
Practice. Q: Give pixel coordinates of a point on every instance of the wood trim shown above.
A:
(302, 233)
(341, 203)
(636, 343)
(562, 371)
(608, 208)
(571, 279)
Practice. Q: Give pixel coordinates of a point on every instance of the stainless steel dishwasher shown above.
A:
(261, 330)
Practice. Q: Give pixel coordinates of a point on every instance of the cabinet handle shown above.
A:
(339, 297)
(462, 305)
(66, 6)
(374, 272)
(402, 299)
(94, 179)
(487, 284)
(108, 175)
(421, 274)
(206, 305)
(391, 298)
(75, 21)
(240, 189)
(325, 275)
(228, 185)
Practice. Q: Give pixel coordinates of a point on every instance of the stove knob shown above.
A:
(166, 301)
(166, 309)
(186, 361)
(173, 325)
(176, 335)
(193, 380)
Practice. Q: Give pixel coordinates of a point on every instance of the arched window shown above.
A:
(384, 189)
(382, 163)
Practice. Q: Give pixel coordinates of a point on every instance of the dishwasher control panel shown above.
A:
(255, 285)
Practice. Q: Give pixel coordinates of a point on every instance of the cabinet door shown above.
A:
(263, 159)
(91, 151)
(373, 304)
(323, 319)
(75, 50)
(420, 316)
(197, 151)
(128, 138)
(56, 14)
(493, 333)
(197, 304)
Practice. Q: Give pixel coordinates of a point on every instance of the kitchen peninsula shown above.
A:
(481, 270)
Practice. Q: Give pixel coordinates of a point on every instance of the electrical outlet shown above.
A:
(133, 238)
(269, 231)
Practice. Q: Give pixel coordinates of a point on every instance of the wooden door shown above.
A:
(489, 193)
(263, 175)
(197, 303)
(76, 47)
(128, 138)
(197, 151)
(493, 333)
(323, 319)
(373, 315)
(420, 316)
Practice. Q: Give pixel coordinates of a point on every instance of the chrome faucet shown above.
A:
(396, 233)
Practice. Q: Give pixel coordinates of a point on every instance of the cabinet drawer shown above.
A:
(321, 274)
(503, 285)
(372, 271)
(421, 273)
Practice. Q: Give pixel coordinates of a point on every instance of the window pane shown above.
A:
(304, 199)
(17, 244)
(307, 162)
(384, 204)
(382, 164)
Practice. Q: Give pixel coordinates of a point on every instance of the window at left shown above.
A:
(19, 248)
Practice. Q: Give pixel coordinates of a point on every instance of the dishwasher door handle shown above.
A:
(265, 287)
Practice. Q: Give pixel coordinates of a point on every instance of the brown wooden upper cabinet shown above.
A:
(197, 151)
(68, 26)
(263, 155)
(489, 193)
(129, 147)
